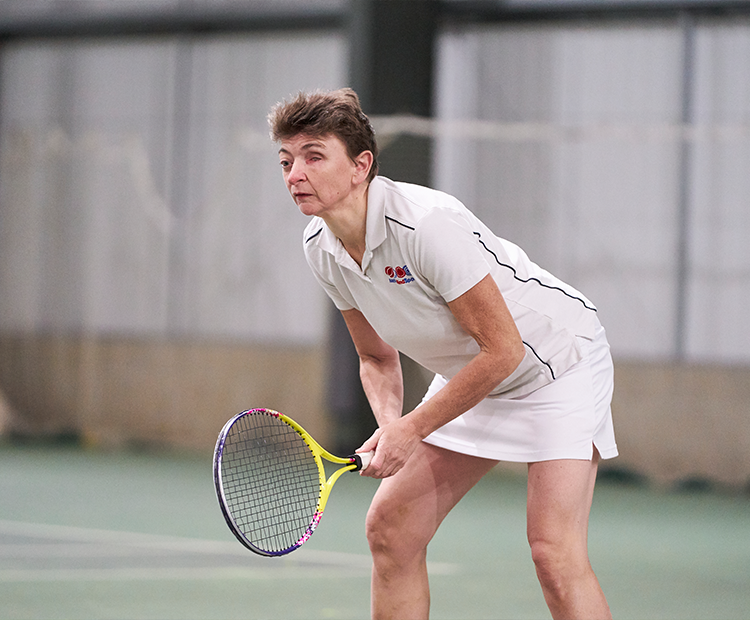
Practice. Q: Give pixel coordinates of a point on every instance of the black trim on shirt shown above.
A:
(552, 372)
(515, 275)
(313, 236)
(400, 223)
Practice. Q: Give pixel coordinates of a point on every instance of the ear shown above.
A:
(362, 164)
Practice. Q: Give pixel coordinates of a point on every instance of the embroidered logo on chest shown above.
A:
(399, 274)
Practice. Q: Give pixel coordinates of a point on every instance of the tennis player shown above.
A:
(522, 365)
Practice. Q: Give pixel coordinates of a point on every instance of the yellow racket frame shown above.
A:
(320, 453)
(351, 463)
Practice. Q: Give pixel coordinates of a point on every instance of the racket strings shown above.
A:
(271, 481)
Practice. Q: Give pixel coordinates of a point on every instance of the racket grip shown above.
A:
(362, 460)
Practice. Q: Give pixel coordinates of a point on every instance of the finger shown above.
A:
(373, 470)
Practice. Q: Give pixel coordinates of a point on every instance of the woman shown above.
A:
(522, 365)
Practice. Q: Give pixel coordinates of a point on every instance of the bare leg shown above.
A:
(559, 500)
(404, 516)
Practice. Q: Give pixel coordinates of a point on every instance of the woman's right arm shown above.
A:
(379, 368)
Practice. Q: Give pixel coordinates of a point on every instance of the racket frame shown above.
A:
(355, 462)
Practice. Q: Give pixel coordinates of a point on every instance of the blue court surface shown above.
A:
(125, 536)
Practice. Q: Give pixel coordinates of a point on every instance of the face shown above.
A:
(319, 174)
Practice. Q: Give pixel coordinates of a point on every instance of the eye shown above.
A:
(284, 163)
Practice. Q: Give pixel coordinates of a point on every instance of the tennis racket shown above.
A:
(270, 480)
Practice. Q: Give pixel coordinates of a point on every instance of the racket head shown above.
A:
(269, 480)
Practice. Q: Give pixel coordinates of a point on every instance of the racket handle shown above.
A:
(362, 460)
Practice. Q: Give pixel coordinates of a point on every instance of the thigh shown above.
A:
(415, 501)
(559, 500)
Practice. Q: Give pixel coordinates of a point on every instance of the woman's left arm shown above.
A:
(484, 315)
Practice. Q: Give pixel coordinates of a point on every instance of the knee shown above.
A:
(393, 535)
(557, 565)
(546, 560)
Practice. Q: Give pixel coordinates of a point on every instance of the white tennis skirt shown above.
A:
(565, 419)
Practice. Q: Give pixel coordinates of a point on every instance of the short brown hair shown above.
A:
(321, 113)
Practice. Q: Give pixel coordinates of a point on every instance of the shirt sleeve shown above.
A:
(447, 253)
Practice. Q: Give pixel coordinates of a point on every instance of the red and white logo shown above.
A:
(399, 274)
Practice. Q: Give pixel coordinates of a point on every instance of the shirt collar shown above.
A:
(376, 230)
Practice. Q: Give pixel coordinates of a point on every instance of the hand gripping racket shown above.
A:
(270, 480)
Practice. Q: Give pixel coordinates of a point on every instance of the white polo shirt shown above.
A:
(425, 248)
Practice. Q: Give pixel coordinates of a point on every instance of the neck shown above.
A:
(349, 225)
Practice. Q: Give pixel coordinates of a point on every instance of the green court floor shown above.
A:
(91, 535)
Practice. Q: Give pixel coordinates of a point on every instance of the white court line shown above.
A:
(75, 550)
(175, 574)
(108, 543)
(168, 543)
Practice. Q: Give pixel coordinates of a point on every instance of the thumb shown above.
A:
(371, 443)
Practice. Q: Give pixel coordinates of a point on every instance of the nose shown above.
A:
(296, 173)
